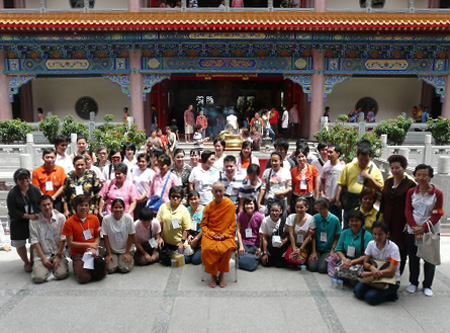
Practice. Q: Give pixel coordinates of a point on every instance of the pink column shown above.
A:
(445, 112)
(317, 83)
(137, 103)
(134, 5)
(320, 5)
(19, 4)
(5, 104)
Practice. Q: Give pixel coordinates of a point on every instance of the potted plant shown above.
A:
(395, 129)
(440, 130)
(12, 130)
(50, 127)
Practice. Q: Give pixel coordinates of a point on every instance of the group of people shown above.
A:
(303, 211)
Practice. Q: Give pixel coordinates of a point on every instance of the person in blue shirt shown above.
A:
(349, 245)
(328, 229)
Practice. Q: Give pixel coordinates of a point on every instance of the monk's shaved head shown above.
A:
(218, 184)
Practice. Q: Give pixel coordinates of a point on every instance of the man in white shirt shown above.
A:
(285, 122)
(231, 179)
(330, 174)
(48, 243)
(62, 159)
(322, 148)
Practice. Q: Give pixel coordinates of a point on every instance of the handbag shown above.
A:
(429, 248)
(382, 283)
(353, 272)
(155, 202)
(333, 262)
(296, 261)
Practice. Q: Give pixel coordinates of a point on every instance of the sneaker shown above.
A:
(428, 292)
(412, 289)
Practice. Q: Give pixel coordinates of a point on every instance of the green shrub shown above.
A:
(395, 129)
(440, 130)
(70, 125)
(14, 130)
(348, 137)
(50, 127)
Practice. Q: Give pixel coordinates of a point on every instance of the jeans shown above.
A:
(272, 134)
(249, 261)
(414, 266)
(203, 133)
(194, 259)
(320, 265)
(295, 127)
(375, 296)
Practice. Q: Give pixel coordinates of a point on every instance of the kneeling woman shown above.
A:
(300, 226)
(118, 231)
(176, 223)
(353, 242)
(274, 237)
(195, 237)
(148, 238)
(249, 221)
(384, 250)
(82, 231)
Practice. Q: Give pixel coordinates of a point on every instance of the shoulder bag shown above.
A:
(156, 201)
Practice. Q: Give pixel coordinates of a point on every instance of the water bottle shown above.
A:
(333, 282)
(173, 262)
(340, 284)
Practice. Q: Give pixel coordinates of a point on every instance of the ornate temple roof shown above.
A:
(226, 21)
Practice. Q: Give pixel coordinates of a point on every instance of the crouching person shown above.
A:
(82, 231)
(147, 238)
(48, 243)
(118, 232)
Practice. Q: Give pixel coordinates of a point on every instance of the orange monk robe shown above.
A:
(218, 219)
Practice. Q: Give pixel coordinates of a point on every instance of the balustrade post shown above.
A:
(384, 151)
(361, 124)
(91, 125)
(443, 165)
(428, 153)
(73, 143)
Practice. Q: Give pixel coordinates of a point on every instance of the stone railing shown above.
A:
(415, 135)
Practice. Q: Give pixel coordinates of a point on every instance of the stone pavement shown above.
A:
(162, 299)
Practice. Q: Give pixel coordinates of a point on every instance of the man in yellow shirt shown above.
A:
(356, 176)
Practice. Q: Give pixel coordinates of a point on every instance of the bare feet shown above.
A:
(222, 282)
(213, 281)
(28, 267)
(6, 248)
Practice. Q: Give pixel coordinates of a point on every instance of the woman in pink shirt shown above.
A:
(119, 187)
(161, 178)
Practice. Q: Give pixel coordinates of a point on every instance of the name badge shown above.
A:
(276, 241)
(194, 225)
(79, 190)
(351, 251)
(87, 234)
(48, 186)
(303, 184)
(152, 242)
(50, 233)
(118, 237)
(421, 209)
(248, 233)
(360, 179)
(229, 191)
(323, 237)
(300, 238)
(175, 223)
(27, 207)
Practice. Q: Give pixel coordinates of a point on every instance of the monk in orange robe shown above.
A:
(218, 241)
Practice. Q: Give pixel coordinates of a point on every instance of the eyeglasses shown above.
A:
(175, 197)
(115, 157)
(23, 178)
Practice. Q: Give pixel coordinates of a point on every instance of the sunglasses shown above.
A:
(175, 196)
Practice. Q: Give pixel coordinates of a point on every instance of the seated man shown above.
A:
(48, 243)
(218, 241)
(231, 179)
(82, 231)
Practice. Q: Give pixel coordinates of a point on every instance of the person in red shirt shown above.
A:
(50, 178)
(273, 120)
(163, 139)
(82, 231)
(203, 121)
